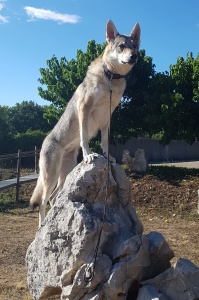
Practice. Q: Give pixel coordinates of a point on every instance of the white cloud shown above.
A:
(2, 5)
(2, 18)
(40, 13)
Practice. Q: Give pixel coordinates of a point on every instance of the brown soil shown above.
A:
(165, 202)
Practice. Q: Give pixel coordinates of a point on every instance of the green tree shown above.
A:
(5, 130)
(4, 124)
(160, 104)
(22, 127)
(28, 116)
(181, 110)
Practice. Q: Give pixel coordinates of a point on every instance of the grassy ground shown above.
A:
(165, 199)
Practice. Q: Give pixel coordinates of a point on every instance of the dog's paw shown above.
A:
(90, 158)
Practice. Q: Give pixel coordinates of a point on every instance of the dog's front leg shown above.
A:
(105, 141)
(83, 115)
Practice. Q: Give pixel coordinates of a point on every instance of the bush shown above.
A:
(28, 140)
(24, 141)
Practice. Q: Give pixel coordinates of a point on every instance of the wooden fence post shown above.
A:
(18, 174)
(36, 160)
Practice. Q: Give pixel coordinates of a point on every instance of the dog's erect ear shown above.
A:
(136, 32)
(111, 31)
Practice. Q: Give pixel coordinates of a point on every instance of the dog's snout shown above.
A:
(133, 57)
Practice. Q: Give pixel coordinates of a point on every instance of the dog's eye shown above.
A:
(134, 46)
(122, 46)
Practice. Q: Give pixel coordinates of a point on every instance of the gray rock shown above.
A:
(160, 255)
(61, 256)
(150, 293)
(178, 282)
(138, 163)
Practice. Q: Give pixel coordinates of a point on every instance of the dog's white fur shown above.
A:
(86, 113)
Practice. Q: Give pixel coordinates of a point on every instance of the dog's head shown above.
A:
(122, 50)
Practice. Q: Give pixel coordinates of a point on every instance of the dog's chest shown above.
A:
(104, 102)
(109, 93)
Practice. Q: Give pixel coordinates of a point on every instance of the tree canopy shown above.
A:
(181, 112)
(28, 116)
(4, 128)
(22, 126)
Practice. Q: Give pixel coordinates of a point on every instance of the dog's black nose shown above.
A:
(133, 57)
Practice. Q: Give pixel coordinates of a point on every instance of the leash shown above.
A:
(90, 269)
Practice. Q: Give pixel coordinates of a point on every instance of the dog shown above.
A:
(87, 112)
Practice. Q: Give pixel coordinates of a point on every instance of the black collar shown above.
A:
(112, 75)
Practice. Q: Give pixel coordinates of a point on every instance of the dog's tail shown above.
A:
(36, 198)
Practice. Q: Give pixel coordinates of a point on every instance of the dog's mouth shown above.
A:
(132, 60)
(129, 62)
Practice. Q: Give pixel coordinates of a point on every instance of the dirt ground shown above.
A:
(165, 202)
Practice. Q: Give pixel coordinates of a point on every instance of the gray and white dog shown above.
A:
(87, 112)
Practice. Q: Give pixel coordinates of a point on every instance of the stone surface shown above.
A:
(138, 163)
(149, 292)
(178, 282)
(61, 255)
(161, 254)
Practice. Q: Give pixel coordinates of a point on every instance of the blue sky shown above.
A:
(33, 31)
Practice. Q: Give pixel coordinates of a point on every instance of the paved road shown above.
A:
(188, 164)
(5, 184)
